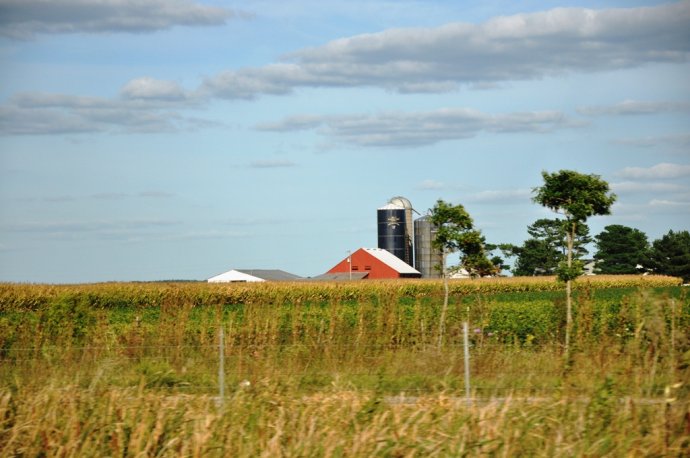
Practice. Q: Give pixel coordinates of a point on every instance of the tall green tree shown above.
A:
(455, 233)
(670, 255)
(620, 249)
(577, 197)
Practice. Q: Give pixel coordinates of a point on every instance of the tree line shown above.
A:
(559, 246)
(619, 250)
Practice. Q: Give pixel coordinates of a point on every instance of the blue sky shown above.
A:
(177, 139)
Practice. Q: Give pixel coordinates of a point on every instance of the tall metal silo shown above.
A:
(392, 231)
(427, 259)
(409, 228)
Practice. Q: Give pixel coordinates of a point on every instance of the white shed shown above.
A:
(234, 276)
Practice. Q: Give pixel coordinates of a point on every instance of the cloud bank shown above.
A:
(25, 18)
(680, 142)
(509, 48)
(145, 105)
(271, 163)
(659, 171)
(635, 107)
(102, 229)
(420, 128)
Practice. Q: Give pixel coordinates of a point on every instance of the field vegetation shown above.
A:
(345, 369)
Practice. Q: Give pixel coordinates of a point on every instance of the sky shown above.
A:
(178, 139)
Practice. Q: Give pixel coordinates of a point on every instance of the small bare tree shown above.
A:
(577, 197)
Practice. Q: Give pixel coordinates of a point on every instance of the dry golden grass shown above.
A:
(263, 421)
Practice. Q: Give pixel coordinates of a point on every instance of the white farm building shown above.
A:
(253, 275)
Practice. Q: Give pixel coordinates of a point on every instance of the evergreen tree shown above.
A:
(670, 255)
(536, 257)
(555, 233)
(621, 249)
(541, 254)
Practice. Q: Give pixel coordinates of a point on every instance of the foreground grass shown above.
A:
(266, 420)
(124, 370)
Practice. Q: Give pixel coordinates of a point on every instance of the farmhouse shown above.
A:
(371, 263)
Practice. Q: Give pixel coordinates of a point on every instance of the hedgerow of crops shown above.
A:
(366, 313)
(106, 295)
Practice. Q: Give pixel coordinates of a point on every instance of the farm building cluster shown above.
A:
(404, 251)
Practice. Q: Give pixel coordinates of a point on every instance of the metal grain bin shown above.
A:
(427, 259)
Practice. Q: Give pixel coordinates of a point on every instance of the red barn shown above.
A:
(374, 263)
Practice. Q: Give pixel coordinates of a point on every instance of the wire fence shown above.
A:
(454, 367)
(320, 363)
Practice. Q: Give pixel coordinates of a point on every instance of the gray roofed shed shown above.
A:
(271, 274)
(340, 276)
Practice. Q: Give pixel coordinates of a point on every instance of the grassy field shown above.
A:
(350, 369)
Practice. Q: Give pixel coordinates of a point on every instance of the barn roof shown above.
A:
(337, 276)
(391, 260)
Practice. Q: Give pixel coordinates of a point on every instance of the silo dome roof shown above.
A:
(401, 201)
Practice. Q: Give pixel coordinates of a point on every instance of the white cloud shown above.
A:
(146, 88)
(295, 122)
(156, 195)
(501, 196)
(59, 199)
(652, 210)
(635, 107)
(429, 185)
(122, 230)
(396, 129)
(645, 186)
(45, 114)
(25, 18)
(439, 59)
(257, 221)
(659, 171)
(271, 163)
(109, 196)
(122, 195)
(206, 235)
(676, 141)
(113, 196)
(663, 203)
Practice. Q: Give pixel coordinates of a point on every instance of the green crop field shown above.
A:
(345, 369)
